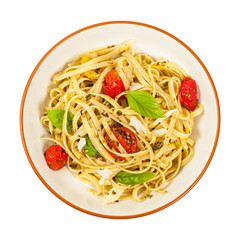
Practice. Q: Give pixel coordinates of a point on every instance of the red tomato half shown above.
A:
(55, 157)
(113, 84)
(188, 94)
(125, 137)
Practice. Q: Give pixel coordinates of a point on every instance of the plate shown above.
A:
(149, 39)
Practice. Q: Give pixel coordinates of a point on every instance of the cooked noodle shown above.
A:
(164, 146)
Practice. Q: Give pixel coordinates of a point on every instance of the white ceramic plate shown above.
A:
(148, 39)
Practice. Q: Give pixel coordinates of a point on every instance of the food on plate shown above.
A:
(121, 121)
(113, 84)
(188, 94)
(55, 157)
(125, 137)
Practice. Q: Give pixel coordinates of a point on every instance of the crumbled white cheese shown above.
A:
(81, 144)
(135, 86)
(160, 132)
(105, 173)
(137, 124)
(168, 114)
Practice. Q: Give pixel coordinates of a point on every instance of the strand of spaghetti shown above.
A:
(153, 84)
(53, 140)
(81, 70)
(176, 169)
(143, 195)
(163, 180)
(111, 135)
(98, 85)
(119, 69)
(197, 112)
(167, 137)
(106, 49)
(97, 59)
(188, 158)
(172, 92)
(93, 180)
(96, 143)
(140, 77)
(109, 99)
(180, 72)
(137, 66)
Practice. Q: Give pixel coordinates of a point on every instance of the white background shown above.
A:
(29, 29)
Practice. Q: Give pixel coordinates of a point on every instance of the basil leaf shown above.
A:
(56, 118)
(90, 150)
(145, 104)
(132, 179)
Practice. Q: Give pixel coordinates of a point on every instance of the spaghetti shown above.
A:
(164, 145)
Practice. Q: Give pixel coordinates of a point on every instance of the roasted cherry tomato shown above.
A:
(125, 137)
(55, 157)
(113, 84)
(189, 93)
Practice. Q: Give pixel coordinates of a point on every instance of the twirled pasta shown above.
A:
(164, 146)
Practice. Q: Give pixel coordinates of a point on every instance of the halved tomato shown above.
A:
(125, 137)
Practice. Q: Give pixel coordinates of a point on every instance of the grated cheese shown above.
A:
(105, 174)
(81, 144)
(160, 132)
(168, 114)
(137, 124)
(135, 86)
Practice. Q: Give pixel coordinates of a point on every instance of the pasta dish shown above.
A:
(121, 121)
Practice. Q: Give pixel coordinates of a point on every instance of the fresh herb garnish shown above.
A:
(90, 150)
(132, 179)
(145, 104)
(56, 118)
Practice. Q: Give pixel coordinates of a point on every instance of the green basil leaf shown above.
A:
(56, 118)
(132, 179)
(90, 150)
(145, 104)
